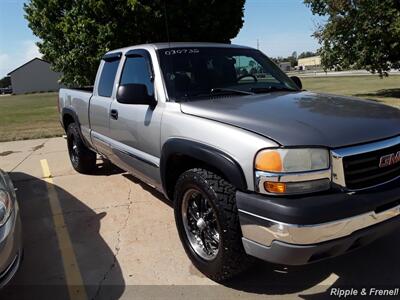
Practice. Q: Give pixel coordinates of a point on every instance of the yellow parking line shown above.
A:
(71, 269)
(329, 280)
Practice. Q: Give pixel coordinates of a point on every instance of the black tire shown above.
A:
(82, 158)
(231, 258)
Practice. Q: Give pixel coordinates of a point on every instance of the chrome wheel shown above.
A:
(200, 222)
(73, 150)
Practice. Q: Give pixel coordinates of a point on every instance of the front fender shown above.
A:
(209, 155)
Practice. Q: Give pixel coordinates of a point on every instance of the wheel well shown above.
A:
(178, 164)
(67, 119)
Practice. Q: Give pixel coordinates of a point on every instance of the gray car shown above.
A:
(10, 231)
(254, 165)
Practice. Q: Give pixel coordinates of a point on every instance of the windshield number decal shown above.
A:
(181, 51)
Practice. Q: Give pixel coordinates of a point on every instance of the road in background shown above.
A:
(321, 73)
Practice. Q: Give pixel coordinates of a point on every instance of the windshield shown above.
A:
(193, 73)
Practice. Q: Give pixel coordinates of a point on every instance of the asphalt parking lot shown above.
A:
(108, 236)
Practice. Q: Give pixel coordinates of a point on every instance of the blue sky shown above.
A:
(282, 26)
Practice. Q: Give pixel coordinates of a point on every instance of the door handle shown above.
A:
(114, 114)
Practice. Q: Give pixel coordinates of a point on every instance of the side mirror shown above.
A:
(133, 93)
(297, 81)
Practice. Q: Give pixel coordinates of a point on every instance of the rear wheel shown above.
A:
(82, 158)
(208, 224)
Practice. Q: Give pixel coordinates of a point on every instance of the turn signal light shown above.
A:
(275, 187)
(269, 160)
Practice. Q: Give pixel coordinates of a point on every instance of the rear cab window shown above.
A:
(108, 73)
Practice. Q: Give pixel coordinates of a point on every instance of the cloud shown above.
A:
(4, 64)
(27, 50)
(31, 50)
(4, 58)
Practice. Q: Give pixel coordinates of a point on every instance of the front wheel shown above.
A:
(208, 224)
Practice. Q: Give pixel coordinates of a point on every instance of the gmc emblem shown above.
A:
(389, 160)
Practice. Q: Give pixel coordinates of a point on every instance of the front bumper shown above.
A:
(293, 254)
(300, 230)
(10, 247)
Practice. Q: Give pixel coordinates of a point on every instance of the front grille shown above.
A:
(363, 171)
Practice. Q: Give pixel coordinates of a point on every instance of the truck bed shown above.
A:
(83, 89)
(77, 100)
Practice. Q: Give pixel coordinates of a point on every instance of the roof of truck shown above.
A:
(178, 45)
(186, 44)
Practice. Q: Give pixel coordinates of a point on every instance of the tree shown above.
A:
(307, 54)
(5, 82)
(76, 34)
(293, 59)
(359, 34)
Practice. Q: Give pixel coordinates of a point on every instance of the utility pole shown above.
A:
(258, 44)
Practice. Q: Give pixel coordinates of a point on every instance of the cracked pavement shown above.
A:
(126, 245)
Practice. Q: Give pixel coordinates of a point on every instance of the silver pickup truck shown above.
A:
(254, 165)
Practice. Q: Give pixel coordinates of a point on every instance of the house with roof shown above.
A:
(34, 76)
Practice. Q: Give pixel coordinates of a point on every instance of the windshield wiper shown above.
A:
(271, 89)
(223, 91)
(216, 92)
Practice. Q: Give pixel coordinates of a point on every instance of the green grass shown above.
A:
(29, 116)
(35, 115)
(385, 90)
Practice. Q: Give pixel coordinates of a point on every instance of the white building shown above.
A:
(309, 63)
(34, 76)
(285, 66)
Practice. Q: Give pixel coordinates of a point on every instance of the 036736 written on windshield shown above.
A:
(181, 51)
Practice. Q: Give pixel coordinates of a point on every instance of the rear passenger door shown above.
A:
(135, 128)
(99, 108)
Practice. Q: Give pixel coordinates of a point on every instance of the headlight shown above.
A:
(292, 160)
(5, 206)
(292, 171)
(7, 194)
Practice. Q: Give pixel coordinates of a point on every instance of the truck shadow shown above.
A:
(155, 193)
(42, 274)
(105, 168)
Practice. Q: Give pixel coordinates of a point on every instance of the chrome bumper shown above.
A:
(11, 270)
(271, 230)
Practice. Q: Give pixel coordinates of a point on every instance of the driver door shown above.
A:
(135, 128)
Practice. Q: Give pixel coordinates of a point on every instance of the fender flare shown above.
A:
(211, 156)
(72, 113)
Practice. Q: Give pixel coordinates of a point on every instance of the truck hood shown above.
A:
(303, 118)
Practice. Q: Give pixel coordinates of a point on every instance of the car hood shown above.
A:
(303, 118)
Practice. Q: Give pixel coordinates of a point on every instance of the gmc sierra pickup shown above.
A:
(254, 165)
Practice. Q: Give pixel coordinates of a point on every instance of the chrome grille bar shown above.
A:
(357, 167)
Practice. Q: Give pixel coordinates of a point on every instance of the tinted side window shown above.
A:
(136, 70)
(107, 77)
